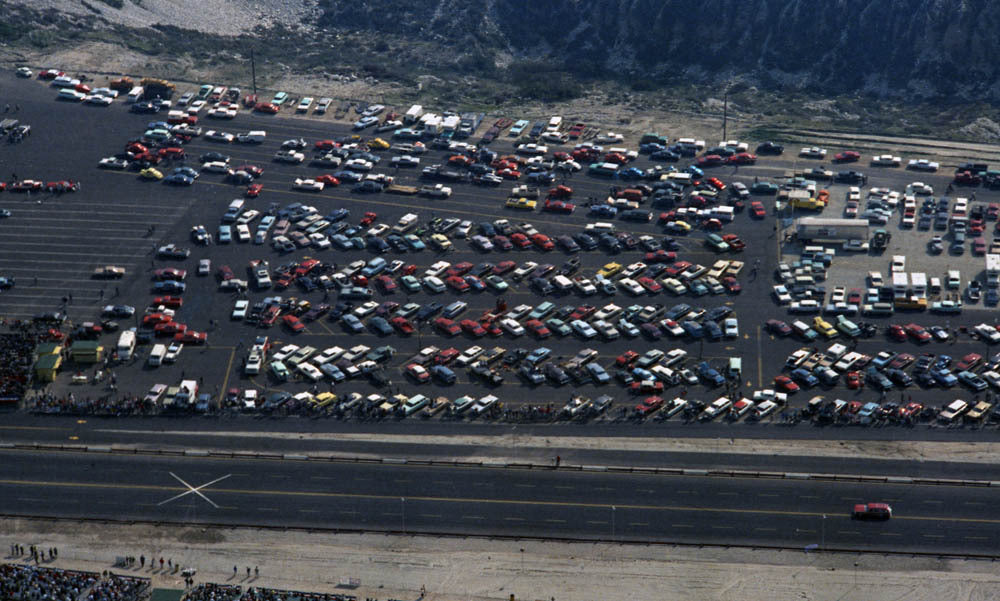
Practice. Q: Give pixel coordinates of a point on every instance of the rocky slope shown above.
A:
(914, 49)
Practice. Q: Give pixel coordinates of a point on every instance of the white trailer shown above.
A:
(416, 112)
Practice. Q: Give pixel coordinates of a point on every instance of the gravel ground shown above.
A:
(223, 17)
(474, 569)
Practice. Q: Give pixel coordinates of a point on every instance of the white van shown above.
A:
(562, 283)
(134, 95)
(156, 355)
(126, 345)
(600, 227)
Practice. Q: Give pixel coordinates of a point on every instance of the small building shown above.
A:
(833, 230)
(86, 351)
(47, 367)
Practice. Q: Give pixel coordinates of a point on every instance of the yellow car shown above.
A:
(521, 203)
(378, 144)
(823, 327)
(680, 225)
(609, 270)
(150, 173)
(813, 204)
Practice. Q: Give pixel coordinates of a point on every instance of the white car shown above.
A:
(632, 287)
(731, 327)
(813, 153)
(204, 266)
(24, 72)
(289, 156)
(330, 354)
(240, 309)
(98, 100)
(437, 268)
(358, 165)
(533, 149)
(583, 329)
(512, 327)
(839, 295)
(173, 351)
(215, 167)
(405, 161)
(243, 233)
(304, 104)
(922, 165)
(469, 355)
(782, 295)
(886, 160)
(219, 136)
(524, 270)
(319, 240)
(433, 284)
(112, 163)
(309, 185)
(898, 263)
(920, 189)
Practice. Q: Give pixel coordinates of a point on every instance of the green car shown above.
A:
(764, 188)
(497, 283)
(716, 243)
(558, 326)
(279, 371)
(410, 283)
(280, 98)
(205, 91)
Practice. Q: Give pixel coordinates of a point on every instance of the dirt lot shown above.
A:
(462, 570)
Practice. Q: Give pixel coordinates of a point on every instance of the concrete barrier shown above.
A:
(394, 461)
(292, 457)
(695, 472)
(195, 453)
(797, 476)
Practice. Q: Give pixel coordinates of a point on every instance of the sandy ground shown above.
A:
(464, 570)
(965, 452)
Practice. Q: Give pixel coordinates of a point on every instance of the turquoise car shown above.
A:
(280, 98)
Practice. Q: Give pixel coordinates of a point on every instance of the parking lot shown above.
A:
(52, 244)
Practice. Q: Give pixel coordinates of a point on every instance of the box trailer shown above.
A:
(819, 228)
(413, 114)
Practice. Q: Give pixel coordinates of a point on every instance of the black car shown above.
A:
(770, 148)
(586, 241)
(541, 286)
(213, 156)
(851, 177)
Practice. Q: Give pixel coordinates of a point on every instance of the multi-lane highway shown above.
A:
(484, 501)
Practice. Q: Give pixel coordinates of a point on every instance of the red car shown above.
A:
(626, 358)
(503, 267)
(171, 302)
(848, 156)
(171, 152)
(170, 273)
(325, 145)
(537, 328)
(253, 170)
(472, 328)
(582, 312)
(293, 323)
(785, 384)
(854, 381)
(368, 218)
(560, 192)
(649, 406)
(456, 283)
(911, 410)
(225, 273)
(169, 328)
(742, 158)
(897, 333)
(418, 373)
(757, 209)
(328, 180)
(716, 183)
(509, 173)
(872, 511)
(402, 325)
(250, 100)
(154, 319)
(969, 362)
(734, 242)
(459, 268)
(267, 107)
(615, 157)
(732, 286)
(253, 190)
(660, 256)
(520, 240)
(447, 326)
(191, 337)
(918, 333)
(650, 284)
(385, 284)
(558, 206)
(646, 387)
(446, 356)
(854, 296)
(542, 242)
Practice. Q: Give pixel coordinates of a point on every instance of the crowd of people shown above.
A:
(213, 592)
(107, 405)
(16, 354)
(31, 583)
(119, 588)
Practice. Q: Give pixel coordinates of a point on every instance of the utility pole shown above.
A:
(253, 71)
(725, 115)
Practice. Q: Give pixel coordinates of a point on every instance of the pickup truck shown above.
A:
(530, 192)
(435, 191)
(404, 190)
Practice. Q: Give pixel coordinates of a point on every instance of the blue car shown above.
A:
(225, 234)
(178, 179)
(352, 323)
(337, 215)
(709, 374)
(187, 171)
(443, 374)
(603, 211)
(804, 378)
(168, 287)
(538, 355)
(695, 171)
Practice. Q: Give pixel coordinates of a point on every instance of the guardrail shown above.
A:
(500, 464)
(617, 540)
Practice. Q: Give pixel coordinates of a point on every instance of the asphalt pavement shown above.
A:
(61, 239)
(552, 503)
